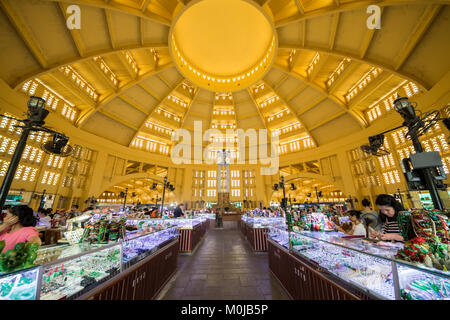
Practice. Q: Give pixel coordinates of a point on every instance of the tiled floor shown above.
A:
(224, 266)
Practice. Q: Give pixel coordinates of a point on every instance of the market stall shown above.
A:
(333, 265)
(255, 230)
(90, 270)
(191, 231)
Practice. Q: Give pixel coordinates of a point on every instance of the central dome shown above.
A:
(223, 45)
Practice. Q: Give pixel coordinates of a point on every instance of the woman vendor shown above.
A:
(18, 226)
(389, 209)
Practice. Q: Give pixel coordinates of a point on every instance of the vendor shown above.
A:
(18, 226)
(389, 209)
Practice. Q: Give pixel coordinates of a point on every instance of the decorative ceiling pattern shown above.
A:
(116, 78)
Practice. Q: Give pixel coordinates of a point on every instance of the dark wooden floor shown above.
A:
(224, 266)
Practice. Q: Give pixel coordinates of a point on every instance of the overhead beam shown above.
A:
(149, 114)
(312, 84)
(74, 33)
(318, 67)
(94, 67)
(334, 27)
(105, 99)
(118, 119)
(349, 6)
(296, 92)
(62, 80)
(114, 5)
(423, 84)
(294, 113)
(376, 83)
(71, 60)
(109, 23)
(311, 105)
(150, 91)
(349, 69)
(24, 32)
(332, 97)
(328, 119)
(133, 103)
(367, 39)
(257, 108)
(188, 111)
(300, 7)
(123, 60)
(421, 28)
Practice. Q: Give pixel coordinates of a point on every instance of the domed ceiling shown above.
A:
(311, 72)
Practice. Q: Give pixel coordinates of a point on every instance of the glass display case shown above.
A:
(78, 269)
(179, 222)
(207, 215)
(137, 247)
(263, 222)
(20, 285)
(367, 266)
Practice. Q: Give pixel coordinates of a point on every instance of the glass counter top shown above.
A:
(263, 222)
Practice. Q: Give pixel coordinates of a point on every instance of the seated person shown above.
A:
(18, 226)
(357, 228)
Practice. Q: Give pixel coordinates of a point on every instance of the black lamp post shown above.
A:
(42, 202)
(281, 184)
(33, 123)
(169, 186)
(427, 172)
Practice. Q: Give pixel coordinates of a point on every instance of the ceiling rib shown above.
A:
(74, 33)
(24, 32)
(359, 4)
(113, 5)
(149, 114)
(420, 82)
(421, 27)
(105, 52)
(294, 113)
(103, 100)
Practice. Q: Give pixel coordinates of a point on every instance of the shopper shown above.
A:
(18, 226)
(44, 219)
(371, 216)
(358, 228)
(74, 212)
(178, 211)
(389, 209)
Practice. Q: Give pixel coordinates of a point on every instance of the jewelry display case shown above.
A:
(20, 285)
(70, 271)
(255, 229)
(78, 269)
(190, 230)
(361, 268)
(137, 247)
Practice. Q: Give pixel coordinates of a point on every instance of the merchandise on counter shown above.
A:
(22, 256)
(104, 230)
(20, 285)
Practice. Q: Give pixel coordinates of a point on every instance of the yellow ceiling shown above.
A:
(223, 37)
(323, 50)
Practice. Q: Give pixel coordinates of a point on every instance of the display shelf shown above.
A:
(366, 269)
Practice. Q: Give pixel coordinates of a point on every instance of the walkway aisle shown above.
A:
(223, 267)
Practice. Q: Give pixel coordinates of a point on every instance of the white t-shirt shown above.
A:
(359, 230)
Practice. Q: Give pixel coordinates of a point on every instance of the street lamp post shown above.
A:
(166, 184)
(33, 123)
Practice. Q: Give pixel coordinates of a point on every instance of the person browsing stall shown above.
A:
(18, 226)
(358, 228)
(178, 212)
(389, 209)
(372, 217)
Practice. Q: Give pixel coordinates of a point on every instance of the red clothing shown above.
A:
(21, 235)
